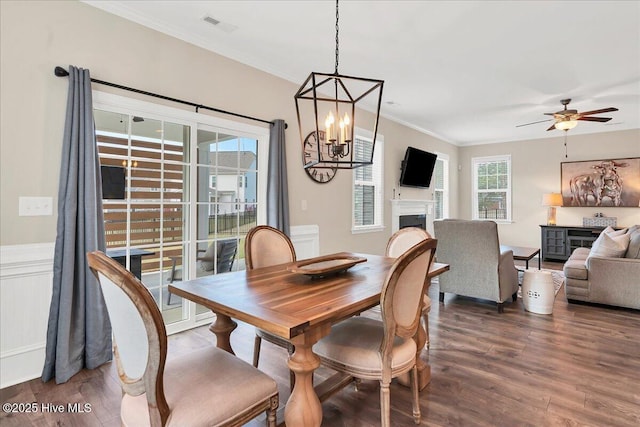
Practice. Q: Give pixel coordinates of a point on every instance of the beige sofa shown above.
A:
(477, 267)
(604, 280)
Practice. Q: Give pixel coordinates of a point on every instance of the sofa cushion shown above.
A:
(206, 259)
(633, 251)
(607, 245)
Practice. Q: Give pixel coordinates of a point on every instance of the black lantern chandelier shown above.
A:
(326, 110)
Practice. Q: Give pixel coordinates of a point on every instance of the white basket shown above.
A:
(604, 221)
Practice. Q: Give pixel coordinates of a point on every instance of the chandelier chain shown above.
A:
(337, 41)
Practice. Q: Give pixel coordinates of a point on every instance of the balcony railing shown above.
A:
(232, 221)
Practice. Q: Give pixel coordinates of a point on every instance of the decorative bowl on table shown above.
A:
(326, 265)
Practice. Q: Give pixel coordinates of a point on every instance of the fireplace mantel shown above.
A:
(400, 207)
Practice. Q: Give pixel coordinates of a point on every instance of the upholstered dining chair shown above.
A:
(400, 242)
(265, 246)
(384, 349)
(204, 387)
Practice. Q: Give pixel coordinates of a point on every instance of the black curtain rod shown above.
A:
(61, 72)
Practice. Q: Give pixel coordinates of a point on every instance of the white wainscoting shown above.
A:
(306, 240)
(26, 275)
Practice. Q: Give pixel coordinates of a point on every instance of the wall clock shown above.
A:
(310, 154)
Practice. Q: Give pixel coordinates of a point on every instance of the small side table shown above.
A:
(523, 254)
(538, 292)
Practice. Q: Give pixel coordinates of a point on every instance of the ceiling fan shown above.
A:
(568, 119)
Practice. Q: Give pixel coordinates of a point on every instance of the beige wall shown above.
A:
(36, 36)
(536, 170)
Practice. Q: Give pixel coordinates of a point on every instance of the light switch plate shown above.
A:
(35, 206)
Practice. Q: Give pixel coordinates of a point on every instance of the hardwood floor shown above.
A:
(579, 366)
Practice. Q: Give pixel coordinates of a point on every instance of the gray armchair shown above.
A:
(478, 268)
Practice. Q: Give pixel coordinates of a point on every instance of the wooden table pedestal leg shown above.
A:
(303, 407)
(222, 328)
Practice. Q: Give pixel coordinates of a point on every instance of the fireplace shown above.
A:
(419, 221)
(412, 213)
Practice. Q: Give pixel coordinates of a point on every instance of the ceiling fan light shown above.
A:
(566, 124)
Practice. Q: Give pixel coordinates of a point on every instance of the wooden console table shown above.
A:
(559, 241)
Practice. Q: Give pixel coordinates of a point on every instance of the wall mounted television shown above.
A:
(113, 182)
(417, 168)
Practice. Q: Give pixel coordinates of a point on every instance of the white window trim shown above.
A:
(446, 190)
(474, 191)
(130, 106)
(378, 156)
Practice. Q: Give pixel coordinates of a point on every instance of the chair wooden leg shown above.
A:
(256, 350)
(271, 412)
(514, 297)
(416, 399)
(425, 318)
(385, 404)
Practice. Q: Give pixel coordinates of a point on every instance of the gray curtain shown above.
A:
(79, 331)
(277, 188)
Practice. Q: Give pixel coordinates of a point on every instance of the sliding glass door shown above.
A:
(180, 193)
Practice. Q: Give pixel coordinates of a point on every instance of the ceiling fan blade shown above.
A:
(553, 126)
(604, 110)
(533, 123)
(595, 119)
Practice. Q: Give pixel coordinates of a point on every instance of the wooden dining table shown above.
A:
(298, 308)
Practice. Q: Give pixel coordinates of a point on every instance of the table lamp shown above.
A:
(551, 200)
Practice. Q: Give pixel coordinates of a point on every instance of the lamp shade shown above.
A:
(552, 199)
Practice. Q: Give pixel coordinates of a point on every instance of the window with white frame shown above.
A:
(440, 182)
(368, 204)
(492, 187)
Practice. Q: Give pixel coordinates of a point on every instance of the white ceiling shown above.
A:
(466, 72)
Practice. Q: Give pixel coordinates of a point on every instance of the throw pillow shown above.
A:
(206, 259)
(607, 245)
(633, 251)
(611, 232)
